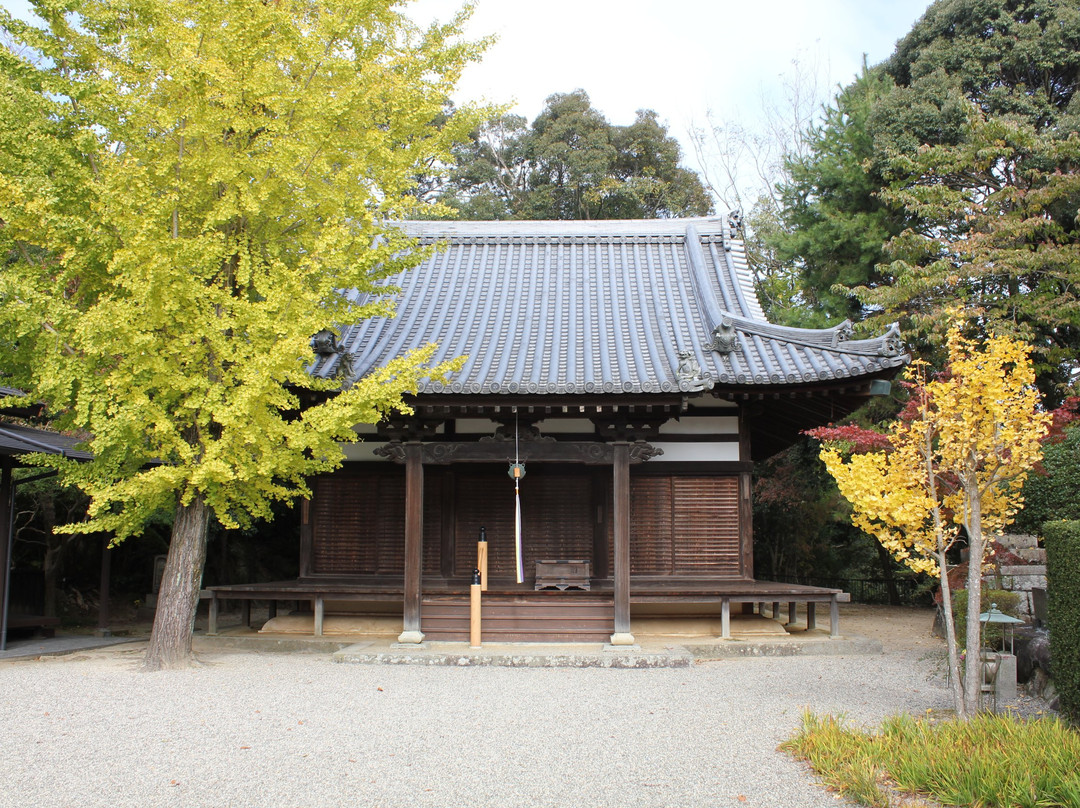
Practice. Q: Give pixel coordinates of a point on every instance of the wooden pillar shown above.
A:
(746, 504)
(305, 538)
(621, 508)
(103, 591)
(414, 542)
(6, 537)
(212, 618)
(746, 525)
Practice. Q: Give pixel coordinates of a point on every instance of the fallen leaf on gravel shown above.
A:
(742, 798)
(245, 747)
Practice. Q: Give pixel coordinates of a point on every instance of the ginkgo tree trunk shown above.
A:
(186, 189)
(957, 458)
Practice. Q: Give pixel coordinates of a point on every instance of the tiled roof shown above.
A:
(599, 307)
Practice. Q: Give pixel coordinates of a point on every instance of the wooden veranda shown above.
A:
(517, 615)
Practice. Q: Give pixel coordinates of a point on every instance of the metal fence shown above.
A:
(898, 592)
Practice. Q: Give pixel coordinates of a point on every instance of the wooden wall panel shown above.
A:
(433, 480)
(485, 498)
(650, 525)
(556, 507)
(706, 529)
(388, 525)
(684, 525)
(358, 523)
(679, 524)
(341, 512)
(557, 511)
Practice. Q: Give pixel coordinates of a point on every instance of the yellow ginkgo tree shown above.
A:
(957, 459)
(187, 187)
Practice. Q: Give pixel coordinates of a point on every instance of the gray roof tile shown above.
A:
(16, 439)
(590, 307)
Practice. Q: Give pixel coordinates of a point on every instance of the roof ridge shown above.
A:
(558, 227)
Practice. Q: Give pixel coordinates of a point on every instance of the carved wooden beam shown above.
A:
(590, 453)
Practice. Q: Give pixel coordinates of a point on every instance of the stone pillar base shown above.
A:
(622, 638)
(410, 637)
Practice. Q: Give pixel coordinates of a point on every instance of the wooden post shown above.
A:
(725, 619)
(792, 612)
(6, 537)
(474, 610)
(811, 615)
(482, 559)
(834, 618)
(103, 590)
(319, 614)
(621, 508)
(212, 618)
(414, 538)
(305, 538)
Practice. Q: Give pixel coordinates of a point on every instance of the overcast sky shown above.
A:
(682, 58)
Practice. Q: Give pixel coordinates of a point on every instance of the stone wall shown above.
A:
(1025, 577)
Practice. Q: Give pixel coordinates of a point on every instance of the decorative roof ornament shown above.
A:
(734, 220)
(325, 346)
(725, 337)
(689, 374)
(891, 342)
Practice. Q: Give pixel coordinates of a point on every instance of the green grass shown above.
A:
(987, 762)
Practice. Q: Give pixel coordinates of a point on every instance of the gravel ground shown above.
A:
(298, 730)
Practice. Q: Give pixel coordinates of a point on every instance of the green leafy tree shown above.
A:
(948, 174)
(571, 163)
(184, 189)
(998, 235)
(1053, 492)
(834, 223)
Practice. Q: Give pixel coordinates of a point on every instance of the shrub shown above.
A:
(1007, 602)
(996, 761)
(1062, 540)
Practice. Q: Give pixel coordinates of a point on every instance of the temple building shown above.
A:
(628, 372)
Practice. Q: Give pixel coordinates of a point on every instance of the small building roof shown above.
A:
(17, 439)
(561, 307)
